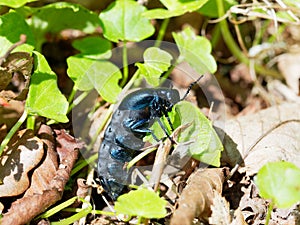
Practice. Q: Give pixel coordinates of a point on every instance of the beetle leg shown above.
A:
(169, 121)
(164, 129)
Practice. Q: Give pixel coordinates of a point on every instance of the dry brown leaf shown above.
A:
(23, 153)
(5, 78)
(10, 110)
(269, 135)
(220, 211)
(25, 209)
(196, 198)
(238, 218)
(289, 66)
(45, 172)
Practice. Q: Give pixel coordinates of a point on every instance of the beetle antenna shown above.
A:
(190, 87)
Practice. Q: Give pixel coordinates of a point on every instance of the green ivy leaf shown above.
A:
(195, 50)
(12, 25)
(209, 9)
(174, 8)
(280, 182)
(142, 203)
(123, 21)
(93, 47)
(44, 97)
(156, 61)
(99, 74)
(58, 16)
(206, 146)
(15, 3)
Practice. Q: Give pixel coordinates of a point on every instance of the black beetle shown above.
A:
(124, 135)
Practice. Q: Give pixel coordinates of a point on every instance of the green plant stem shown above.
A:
(72, 95)
(84, 163)
(77, 100)
(125, 64)
(94, 211)
(235, 50)
(30, 122)
(12, 131)
(230, 42)
(270, 209)
(162, 31)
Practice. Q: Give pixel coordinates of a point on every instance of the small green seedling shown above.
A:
(142, 203)
(279, 182)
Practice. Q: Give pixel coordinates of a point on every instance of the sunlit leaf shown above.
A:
(15, 3)
(210, 8)
(93, 47)
(195, 50)
(123, 21)
(174, 8)
(99, 74)
(206, 145)
(142, 203)
(12, 25)
(44, 97)
(280, 182)
(56, 17)
(156, 61)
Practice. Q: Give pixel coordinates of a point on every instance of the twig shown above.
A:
(11, 48)
(161, 156)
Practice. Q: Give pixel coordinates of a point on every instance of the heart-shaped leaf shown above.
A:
(142, 203)
(206, 145)
(156, 61)
(280, 182)
(123, 20)
(12, 25)
(99, 74)
(44, 97)
(58, 16)
(195, 50)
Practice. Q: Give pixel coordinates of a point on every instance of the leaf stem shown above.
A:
(12, 131)
(235, 50)
(72, 95)
(30, 122)
(270, 208)
(162, 31)
(77, 100)
(125, 64)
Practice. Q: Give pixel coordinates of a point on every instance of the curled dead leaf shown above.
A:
(26, 208)
(22, 154)
(45, 172)
(197, 197)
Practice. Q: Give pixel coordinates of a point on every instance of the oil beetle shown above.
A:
(130, 123)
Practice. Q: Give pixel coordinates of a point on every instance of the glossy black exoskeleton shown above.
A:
(124, 135)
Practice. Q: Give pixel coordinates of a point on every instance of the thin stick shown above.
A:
(11, 48)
